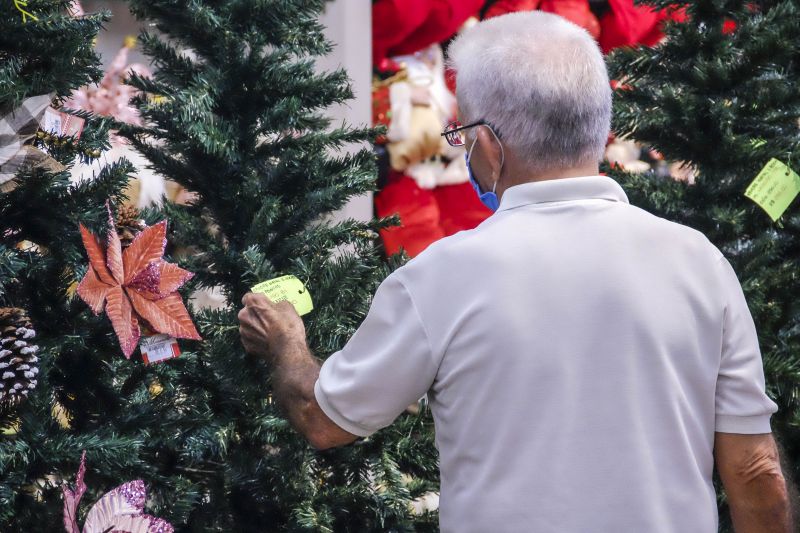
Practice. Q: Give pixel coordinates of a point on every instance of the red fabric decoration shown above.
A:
(575, 11)
(426, 215)
(627, 24)
(393, 21)
(503, 7)
(135, 285)
(459, 208)
(402, 27)
(443, 21)
(418, 211)
(381, 110)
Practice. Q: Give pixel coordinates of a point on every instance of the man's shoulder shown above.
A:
(670, 232)
(459, 245)
(446, 257)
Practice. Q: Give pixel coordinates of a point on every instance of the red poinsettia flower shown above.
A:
(136, 285)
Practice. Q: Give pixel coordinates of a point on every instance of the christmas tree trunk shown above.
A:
(235, 114)
(721, 95)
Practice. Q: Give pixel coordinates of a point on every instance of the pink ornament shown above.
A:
(118, 511)
(111, 97)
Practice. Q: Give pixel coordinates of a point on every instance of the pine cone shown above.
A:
(18, 362)
(129, 224)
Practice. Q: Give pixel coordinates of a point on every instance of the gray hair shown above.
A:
(540, 82)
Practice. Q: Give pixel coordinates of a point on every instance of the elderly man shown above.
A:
(586, 362)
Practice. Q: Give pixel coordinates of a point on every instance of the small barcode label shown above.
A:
(52, 121)
(62, 124)
(157, 348)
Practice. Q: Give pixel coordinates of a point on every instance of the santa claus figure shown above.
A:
(426, 185)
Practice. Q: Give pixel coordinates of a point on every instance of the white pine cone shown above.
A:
(18, 360)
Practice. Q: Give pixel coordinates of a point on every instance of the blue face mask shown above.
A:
(489, 199)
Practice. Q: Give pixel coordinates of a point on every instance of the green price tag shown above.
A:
(774, 188)
(287, 288)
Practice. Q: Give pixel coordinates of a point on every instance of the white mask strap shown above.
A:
(502, 153)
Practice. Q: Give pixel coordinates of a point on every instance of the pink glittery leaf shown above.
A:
(123, 319)
(146, 248)
(73, 498)
(159, 525)
(118, 511)
(127, 499)
(167, 315)
(97, 256)
(121, 510)
(93, 291)
(171, 278)
(148, 280)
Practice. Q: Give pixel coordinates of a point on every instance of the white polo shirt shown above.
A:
(578, 354)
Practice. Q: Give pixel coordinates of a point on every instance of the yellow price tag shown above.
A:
(774, 188)
(287, 288)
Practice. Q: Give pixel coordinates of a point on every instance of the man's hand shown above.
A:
(751, 473)
(276, 332)
(268, 328)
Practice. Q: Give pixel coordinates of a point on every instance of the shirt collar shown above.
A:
(562, 190)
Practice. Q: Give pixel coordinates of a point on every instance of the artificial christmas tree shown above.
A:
(82, 398)
(239, 122)
(721, 95)
(235, 114)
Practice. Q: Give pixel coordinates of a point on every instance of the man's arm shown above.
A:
(750, 469)
(276, 333)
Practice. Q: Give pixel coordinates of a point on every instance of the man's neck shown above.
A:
(512, 178)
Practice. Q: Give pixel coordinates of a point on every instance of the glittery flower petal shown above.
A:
(167, 315)
(73, 497)
(146, 248)
(171, 278)
(123, 319)
(114, 250)
(93, 291)
(119, 510)
(97, 255)
(148, 280)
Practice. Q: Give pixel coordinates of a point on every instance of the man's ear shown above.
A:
(490, 147)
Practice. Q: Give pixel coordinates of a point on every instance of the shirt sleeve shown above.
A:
(385, 367)
(742, 406)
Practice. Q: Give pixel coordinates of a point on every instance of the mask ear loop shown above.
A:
(471, 148)
(502, 153)
(502, 156)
